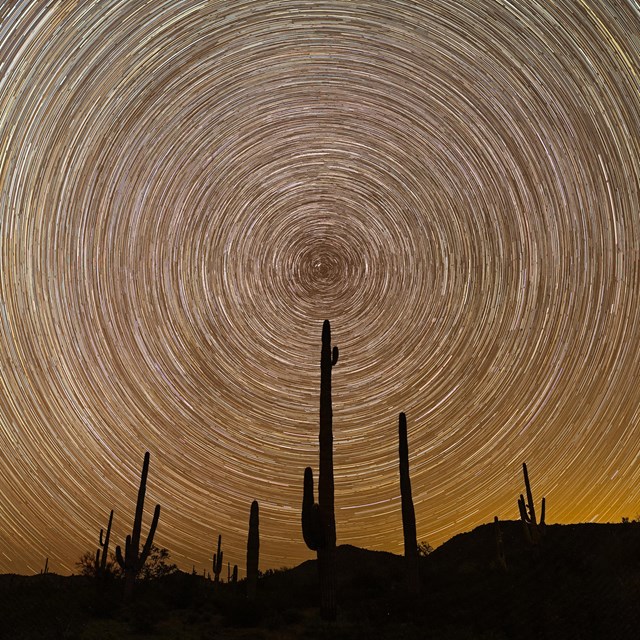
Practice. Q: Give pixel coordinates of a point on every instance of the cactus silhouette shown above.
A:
(318, 520)
(133, 560)
(253, 551)
(217, 561)
(533, 530)
(408, 512)
(101, 556)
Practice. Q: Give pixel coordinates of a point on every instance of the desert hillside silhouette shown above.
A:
(585, 583)
(523, 579)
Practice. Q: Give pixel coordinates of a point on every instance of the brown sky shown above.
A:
(188, 189)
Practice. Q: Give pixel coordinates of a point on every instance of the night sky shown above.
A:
(188, 189)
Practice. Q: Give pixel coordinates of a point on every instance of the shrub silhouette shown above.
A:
(157, 565)
(86, 565)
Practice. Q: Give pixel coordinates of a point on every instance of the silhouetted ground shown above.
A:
(583, 583)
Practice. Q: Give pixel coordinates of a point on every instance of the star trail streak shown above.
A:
(188, 189)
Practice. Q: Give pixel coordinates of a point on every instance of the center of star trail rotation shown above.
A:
(188, 189)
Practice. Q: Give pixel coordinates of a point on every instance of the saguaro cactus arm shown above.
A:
(311, 524)
(146, 550)
(119, 558)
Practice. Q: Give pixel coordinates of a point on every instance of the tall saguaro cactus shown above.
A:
(408, 512)
(318, 520)
(253, 551)
(101, 556)
(533, 529)
(217, 561)
(134, 559)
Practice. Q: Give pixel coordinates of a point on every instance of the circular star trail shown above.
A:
(188, 189)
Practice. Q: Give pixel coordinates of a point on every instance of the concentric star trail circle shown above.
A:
(188, 189)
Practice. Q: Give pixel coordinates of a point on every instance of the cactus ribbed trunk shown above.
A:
(502, 559)
(408, 512)
(253, 551)
(129, 580)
